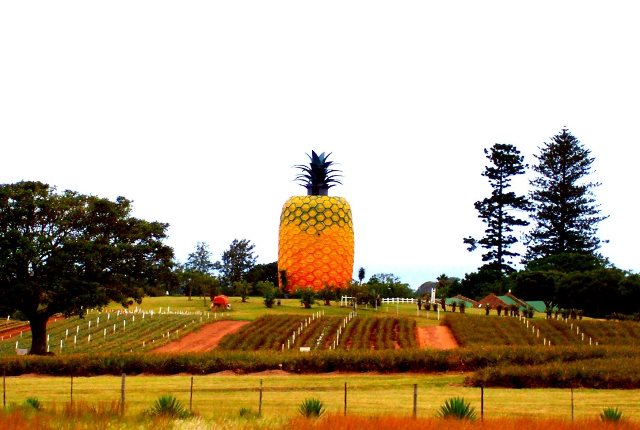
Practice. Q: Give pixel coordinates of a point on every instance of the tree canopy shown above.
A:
(565, 210)
(195, 275)
(237, 261)
(64, 252)
(497, 210)
(389, 285)
(200, 259)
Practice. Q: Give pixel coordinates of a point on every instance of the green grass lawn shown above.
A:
(223, 395)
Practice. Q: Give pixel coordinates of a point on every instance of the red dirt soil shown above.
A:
(14, 331)
(204, 339)
(436, 337)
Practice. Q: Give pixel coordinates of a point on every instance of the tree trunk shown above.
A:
(38, 325)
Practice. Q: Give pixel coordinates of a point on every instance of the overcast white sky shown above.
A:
(197, 111)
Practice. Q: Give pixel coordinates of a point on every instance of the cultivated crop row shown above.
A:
(612, 332)
(111, 332)
(284, 332)
(490, 330)
(493, 330)
(269, 332)
(379, 333)
(321, 333)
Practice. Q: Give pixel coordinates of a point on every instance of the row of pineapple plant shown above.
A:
(379, 333)
(513, 331)
(96, 333)
(470, 331)
(266, 333)
(612, 332)
(271, 332)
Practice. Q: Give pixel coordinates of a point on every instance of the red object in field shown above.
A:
(220, 302)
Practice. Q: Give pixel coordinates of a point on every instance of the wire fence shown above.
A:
(278, 395)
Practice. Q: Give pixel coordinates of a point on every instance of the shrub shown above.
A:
(458, 408)
(311, 408)
(611, 415)
(269, 293)
(34, 403)
(605, 373)
(168, 406)
(529, 312)
(248, 413)
(307, 297)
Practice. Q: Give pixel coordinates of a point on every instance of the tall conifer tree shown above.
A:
(498, 210)
(565, 210)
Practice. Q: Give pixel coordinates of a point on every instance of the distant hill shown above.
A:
(426, 288)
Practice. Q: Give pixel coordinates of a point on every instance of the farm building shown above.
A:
(509, 299)
(470, 303)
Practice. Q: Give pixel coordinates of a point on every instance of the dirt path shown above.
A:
(436, 337)
(14, 331)
(204, 339)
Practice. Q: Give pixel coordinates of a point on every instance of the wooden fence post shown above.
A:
(572, 403)
(482, 403)
(415, 400)
(124, 376)
(191, 395)
(345, 398)
(260, 401)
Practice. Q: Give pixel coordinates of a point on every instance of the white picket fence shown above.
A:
(398, 300)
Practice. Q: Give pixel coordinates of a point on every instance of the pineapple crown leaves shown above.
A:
(318, 176)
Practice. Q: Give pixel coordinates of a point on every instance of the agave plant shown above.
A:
(248, 413)
(611, 415)
(168, 406)
(311, 408)
(458, 408)
(33, 403)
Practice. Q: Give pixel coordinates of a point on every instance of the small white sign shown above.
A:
(21, 351)
(305, 349)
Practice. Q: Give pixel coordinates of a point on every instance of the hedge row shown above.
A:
(387, 361)
(597, 373)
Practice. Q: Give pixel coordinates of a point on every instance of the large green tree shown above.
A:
(64, 252)
(237, 261)
(200, 259)
(389, 285)
(262, 273)
(499, 211)
(566, 214)
(196, 274)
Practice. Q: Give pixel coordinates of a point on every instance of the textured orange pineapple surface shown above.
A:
(316, 242)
